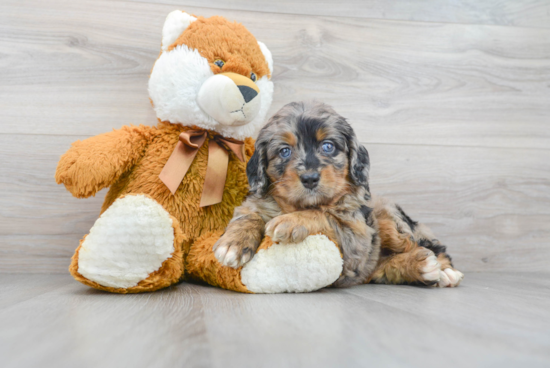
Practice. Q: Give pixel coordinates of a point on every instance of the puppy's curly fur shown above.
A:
(309, 175)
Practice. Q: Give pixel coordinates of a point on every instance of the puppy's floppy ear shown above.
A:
(256, 170)
(359, 162)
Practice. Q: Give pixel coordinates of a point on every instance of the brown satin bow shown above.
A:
(218, 159)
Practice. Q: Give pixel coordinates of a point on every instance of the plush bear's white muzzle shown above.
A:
(230, 98)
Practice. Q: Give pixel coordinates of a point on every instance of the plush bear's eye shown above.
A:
(328, 147)
(219, 63)
(253, 76)
(285, 152)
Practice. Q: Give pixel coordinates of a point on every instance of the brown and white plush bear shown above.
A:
(174, 186)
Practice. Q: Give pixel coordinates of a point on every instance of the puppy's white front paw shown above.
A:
(286, 229)
(232, 254)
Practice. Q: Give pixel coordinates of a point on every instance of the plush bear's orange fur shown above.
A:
(202, 265)
(239, 49)
(129, 160)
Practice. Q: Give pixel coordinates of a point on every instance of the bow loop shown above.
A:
(234, 145)
(193, 138)
(184, 153)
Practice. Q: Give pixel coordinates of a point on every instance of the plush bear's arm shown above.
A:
(97, 162)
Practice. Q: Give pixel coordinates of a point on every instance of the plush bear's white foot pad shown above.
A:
(128, 242)
(294, 268)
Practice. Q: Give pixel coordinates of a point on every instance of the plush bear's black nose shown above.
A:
(248, 93)
(310, 180)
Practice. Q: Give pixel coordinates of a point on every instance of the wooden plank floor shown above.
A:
(491, 320)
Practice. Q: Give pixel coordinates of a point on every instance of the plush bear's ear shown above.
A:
(176, 22)
(268, 57)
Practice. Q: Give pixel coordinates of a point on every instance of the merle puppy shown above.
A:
(309, 175)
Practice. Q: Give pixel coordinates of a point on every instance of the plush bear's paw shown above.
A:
(286, 229)
(450, 277)
(127, 243)
(302, 267)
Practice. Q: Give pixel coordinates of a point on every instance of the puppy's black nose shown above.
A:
(248, 93)
(311, 180)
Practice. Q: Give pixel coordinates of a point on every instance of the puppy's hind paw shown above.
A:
(450, 278)
(431, 270)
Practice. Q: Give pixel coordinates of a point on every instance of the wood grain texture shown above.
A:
(455, 116)
(491, 320)
(490, 206)
(84, 66)
(524, 13)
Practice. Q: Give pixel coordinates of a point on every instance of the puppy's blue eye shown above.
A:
(220, 63)
(328, 147)
(285, 152)
(253, 76)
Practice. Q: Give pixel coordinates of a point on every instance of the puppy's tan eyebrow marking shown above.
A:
(321, 134)
(289, 138)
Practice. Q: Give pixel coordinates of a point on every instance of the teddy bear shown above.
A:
(173, 187)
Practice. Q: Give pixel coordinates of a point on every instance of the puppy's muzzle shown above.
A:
(310, 180)
(230, 98)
